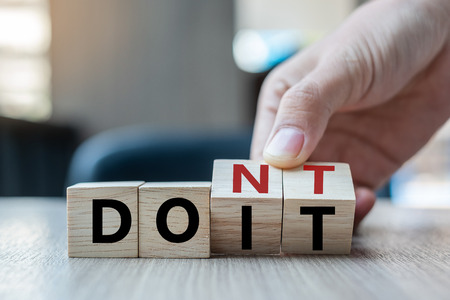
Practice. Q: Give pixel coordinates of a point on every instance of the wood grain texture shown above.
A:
(151, 197)
(79, 219)
(226, 210)
(398, 253)
(300, 192)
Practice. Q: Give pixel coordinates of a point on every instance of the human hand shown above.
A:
(371, 94)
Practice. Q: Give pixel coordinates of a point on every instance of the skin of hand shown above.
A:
(371, 94)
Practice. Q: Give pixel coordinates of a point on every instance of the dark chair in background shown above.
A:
(34, 157)
(141, 153)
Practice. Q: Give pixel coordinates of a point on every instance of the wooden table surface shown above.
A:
(398, 253)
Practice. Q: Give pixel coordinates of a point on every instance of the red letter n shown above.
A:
(318, 176)
(262, 186)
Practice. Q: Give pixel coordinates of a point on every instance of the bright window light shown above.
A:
(24, 64)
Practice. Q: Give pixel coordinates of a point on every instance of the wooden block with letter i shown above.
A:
(246, 208)
(319, 207)
(102, 219)
(174, 220)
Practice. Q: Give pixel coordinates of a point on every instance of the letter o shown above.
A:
(193, 220)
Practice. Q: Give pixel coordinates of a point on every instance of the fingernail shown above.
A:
(287, 143)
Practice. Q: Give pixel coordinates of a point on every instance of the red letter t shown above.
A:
(318, 176)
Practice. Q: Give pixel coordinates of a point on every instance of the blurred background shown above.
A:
(115, 90)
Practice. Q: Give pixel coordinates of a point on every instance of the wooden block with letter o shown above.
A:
(246, 208)
(319, 207)
(102, 219)
(174, 220)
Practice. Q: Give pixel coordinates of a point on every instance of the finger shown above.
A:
(304, 111)
(362, 66)
(365, 199)
(274, 87)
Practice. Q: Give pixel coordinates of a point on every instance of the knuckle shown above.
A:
(307, 91)
(353, 59)
(270, 107)
(357, 63)
(306, 98)
(276, 83)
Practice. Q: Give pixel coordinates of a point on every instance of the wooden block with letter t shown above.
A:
(102, 219)
(246, 208)
(319, 207)
(174, 220)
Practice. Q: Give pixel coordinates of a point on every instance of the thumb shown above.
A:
(304, 111)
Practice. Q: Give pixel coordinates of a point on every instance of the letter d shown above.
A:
(97, 220)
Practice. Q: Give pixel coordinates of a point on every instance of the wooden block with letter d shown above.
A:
(319, 207)
(102, 219)
(246, 208)
(174, 220)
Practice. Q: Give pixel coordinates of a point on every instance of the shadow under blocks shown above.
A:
(249, 208)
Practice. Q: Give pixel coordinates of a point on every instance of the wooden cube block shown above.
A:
(102, 219)
(246, 208)
(319, 207)
(174, 220)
